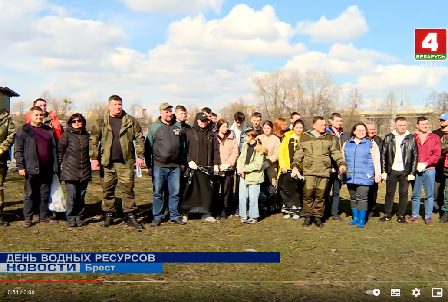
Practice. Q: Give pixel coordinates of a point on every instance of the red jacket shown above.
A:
(429, 151)
(55, 124)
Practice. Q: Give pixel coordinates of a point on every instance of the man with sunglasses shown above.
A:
(36, 157)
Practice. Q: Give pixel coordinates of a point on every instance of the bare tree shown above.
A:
(390, 107)
(19, 110)
(60, 106)
(351, 113)
(311, 93)
(439, 101)
(192, 110)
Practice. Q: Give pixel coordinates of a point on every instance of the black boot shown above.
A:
(318, 222)
(444, 217)
(308, 221)
(132, 221)
(108, 219)
(3, 223)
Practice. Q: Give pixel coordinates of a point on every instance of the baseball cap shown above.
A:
(444, 116)
(201, 116)
(165, 106)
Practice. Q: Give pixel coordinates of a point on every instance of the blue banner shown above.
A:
(162, 257)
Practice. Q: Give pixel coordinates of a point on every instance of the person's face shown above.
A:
(238, 124)
(42, 105)
(284, 127)
(295, 118)
(202, 124)
(214, 119)
(77, 123)
(209, 115)
(336, 122)
(115, 108)
(298, 129)
(166, 114)
(360, 132)
(37, 117)
(401, 126)
(443, 123)
(423, 126)
(181, 115)
(256, 122)
(320, 126)
(371, 130)
(249, 139)
(267, 130)
(224, 128)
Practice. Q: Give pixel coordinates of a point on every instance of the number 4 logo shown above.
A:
(430, 44)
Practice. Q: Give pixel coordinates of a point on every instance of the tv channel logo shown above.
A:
(430, 44)
(395, 292)
(437, 292)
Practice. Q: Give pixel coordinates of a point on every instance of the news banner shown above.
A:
(121, 263)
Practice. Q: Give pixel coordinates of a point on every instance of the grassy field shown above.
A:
(335, 263)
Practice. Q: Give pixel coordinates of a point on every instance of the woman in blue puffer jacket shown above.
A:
(363, 170)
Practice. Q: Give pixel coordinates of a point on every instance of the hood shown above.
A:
(396, 133)
(196, 126)
(331, 130)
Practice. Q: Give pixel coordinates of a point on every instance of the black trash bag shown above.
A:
(291, 190)
(199, 191)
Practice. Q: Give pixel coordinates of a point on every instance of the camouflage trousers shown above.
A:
(313, 196)
(3, 172)
(122, 174)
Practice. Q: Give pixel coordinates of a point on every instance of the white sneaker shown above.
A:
(251, 221)
(243, 219)
(296, 217)
(287, 216)
(185, 218)
(210, 219)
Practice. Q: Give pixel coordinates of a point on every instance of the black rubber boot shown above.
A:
(132, 221)
(108, 219)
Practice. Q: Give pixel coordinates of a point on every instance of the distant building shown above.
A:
(143, 111)
(5, 98)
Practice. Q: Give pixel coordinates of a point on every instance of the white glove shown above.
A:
(193, 165)
(384, 176)
(411, 177)
(224, 167)
(215, 170)
(296, 174)
(421, 167)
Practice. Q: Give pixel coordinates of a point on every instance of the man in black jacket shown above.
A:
(36, 156)
(165, 159)
(373, 190)
(399, 159)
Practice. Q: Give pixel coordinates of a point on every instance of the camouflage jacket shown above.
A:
(7, 134)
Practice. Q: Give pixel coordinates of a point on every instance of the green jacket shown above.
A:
(7, 133)
(254, 174)
(314, 154)
(101, 138)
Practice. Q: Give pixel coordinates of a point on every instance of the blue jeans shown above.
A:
(252, 193)
(427, 179)
(336, 183)
(170, 178)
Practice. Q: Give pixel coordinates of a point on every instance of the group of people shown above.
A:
(195, 169)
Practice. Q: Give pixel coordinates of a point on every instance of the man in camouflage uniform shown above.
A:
(314, 154)
(7, 134)
(112, 147)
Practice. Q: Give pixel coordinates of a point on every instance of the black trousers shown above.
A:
(391, 185)
(76, 205)
(37, 195)
(373, 193)
(224, 183)
(291, 191)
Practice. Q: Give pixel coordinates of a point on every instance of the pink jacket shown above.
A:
(229, 150)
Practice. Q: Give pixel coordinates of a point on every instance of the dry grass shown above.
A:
(335, 263)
